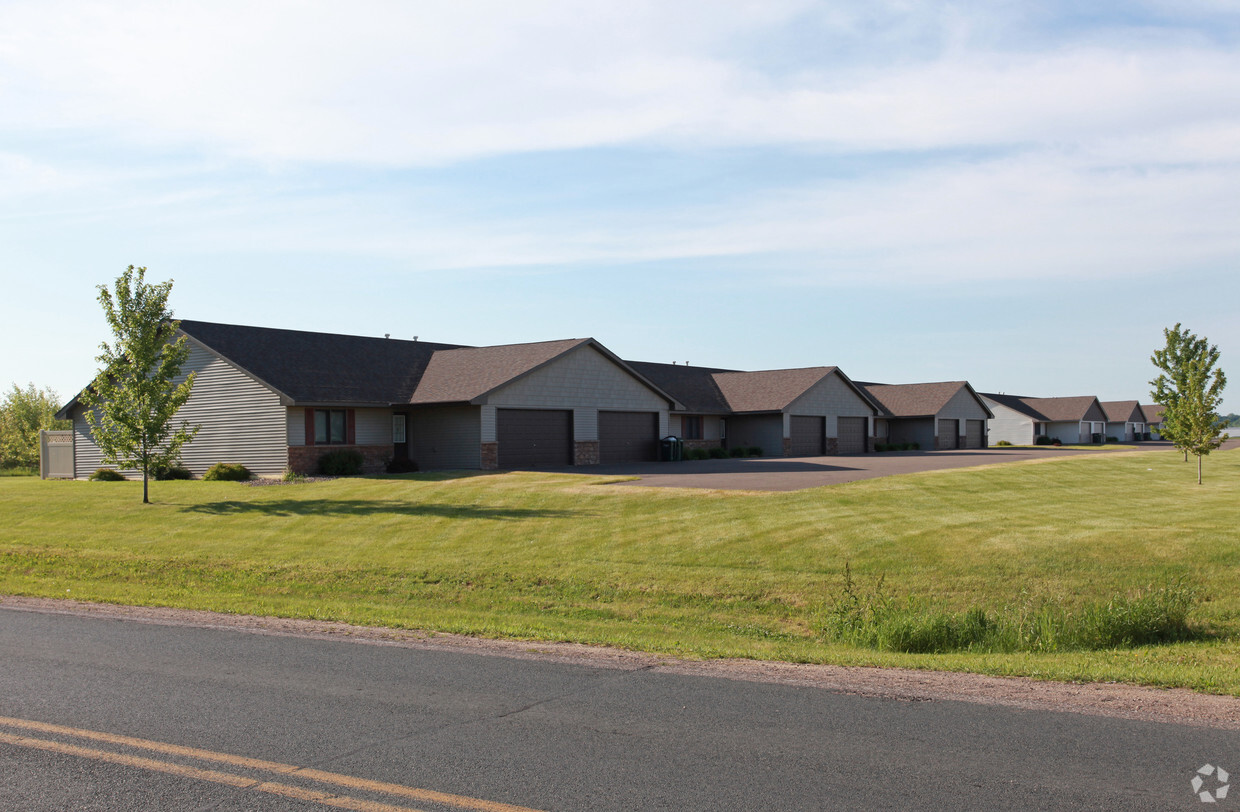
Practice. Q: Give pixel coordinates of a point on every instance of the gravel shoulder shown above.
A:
(1174, 706)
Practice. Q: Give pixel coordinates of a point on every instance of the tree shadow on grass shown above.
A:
(374, 507)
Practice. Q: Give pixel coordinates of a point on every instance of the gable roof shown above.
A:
(918, 399)
(770, 390)
(467, 373)
(1153, 412)
(1047, 410)
(321, 367)
(694, 387)
(1127, 411)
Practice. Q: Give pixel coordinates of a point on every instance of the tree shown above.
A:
(23, 414)
(1190, 388)
(134, 397)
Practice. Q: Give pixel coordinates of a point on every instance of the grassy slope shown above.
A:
(687, 572)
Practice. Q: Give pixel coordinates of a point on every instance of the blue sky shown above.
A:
(1018, 194)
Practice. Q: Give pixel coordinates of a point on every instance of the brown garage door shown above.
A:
(949, 431)
(534, 438)
(851, 431)
(628, 436)
(974, 433)
(808, 435)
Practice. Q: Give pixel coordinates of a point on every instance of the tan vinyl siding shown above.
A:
(445, 437)
(1009, 424)
(582, 379)
(372, 426)
(963, 406)
(242, 421)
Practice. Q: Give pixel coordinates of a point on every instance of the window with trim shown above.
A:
(691, 427)
(398, 428)
(330, 426)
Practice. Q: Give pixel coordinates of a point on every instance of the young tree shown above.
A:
(23, 414)
(1190, 388)
(132, 401)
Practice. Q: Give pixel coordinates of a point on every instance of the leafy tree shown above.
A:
(23, 414)
(134, 396)
(1190, 388)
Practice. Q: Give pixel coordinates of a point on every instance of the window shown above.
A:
(1039, 429)
(330, 426)
(398, 428)
(691, 427)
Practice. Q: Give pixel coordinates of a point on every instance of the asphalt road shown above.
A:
(487, 730)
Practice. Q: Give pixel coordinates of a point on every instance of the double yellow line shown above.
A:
(241, 782)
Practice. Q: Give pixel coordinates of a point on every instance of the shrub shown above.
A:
(1112, 439)
(880, 447)
(753, 451)
(914, 446)
(341, 462)
(106, 475)
(737, 452)
(1041, 439)
(1002, 442)
(173, 472)
(401, 466)
(228, 472)
(697, 454)
(289, 475)
(718, 453)
(1055, 442)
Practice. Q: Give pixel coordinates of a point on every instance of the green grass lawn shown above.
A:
(685, 572)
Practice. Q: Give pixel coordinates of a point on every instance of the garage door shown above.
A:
(534, 438)
(808, 435)
(851, 431)
(949, 433)
(974, 433)
(628, 436)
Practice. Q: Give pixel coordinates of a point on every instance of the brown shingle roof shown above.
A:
(1153, 412)
(693, 387)
(1048, 410)
(460, 375)
(913, 399)
(1127, 411)
(771, 390)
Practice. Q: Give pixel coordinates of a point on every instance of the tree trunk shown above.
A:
(1199, 469)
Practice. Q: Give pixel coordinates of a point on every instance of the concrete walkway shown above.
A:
(797, 473)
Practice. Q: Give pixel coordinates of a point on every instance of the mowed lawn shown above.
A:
(676, 571)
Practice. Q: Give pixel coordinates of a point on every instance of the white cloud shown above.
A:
(416, 84)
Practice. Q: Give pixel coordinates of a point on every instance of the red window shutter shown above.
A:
(309, 426)
(350, 428)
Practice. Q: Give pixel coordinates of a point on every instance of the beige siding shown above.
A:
(963, 406)
(446, 437)
(1009, 424)
(832, 398)
(583, 379)
(372, 426)
(242, 421)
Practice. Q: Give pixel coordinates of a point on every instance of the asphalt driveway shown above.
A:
(797, 473)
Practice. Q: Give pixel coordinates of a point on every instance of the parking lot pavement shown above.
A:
(792, 474)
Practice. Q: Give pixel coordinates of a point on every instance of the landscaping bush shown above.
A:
(106, 475)
(173, 472)
(697, 454)
(401, 466)
(753, 451)
(1112, 439)
(289, 475)
(228, 472)
(341, 462)
(1041, 439)
(718, 453)
(880, 447)
(913, 446)
(737, 452)
(1002, 442)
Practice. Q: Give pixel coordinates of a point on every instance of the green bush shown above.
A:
(289, 475)
(880, 447)
(753, 451)
(106, 475)
(341, 462)
(1041, 439)
(697, 454)
(737, 452)
(718, 453)
(1002, 442)
(228, 472)
(401, 466)
(173, 472)
(1112, 439)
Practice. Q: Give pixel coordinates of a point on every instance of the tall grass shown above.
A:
(1145, 617)
(18, 471)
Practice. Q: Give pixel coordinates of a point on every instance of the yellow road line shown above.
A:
(338, 779)
(228, 779)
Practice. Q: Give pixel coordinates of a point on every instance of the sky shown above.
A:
(1023, 195)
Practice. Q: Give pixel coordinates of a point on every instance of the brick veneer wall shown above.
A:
(833, 446)
(702, 444)
(304, 459)
(585, 452)
(490, 456)
(787, 446)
